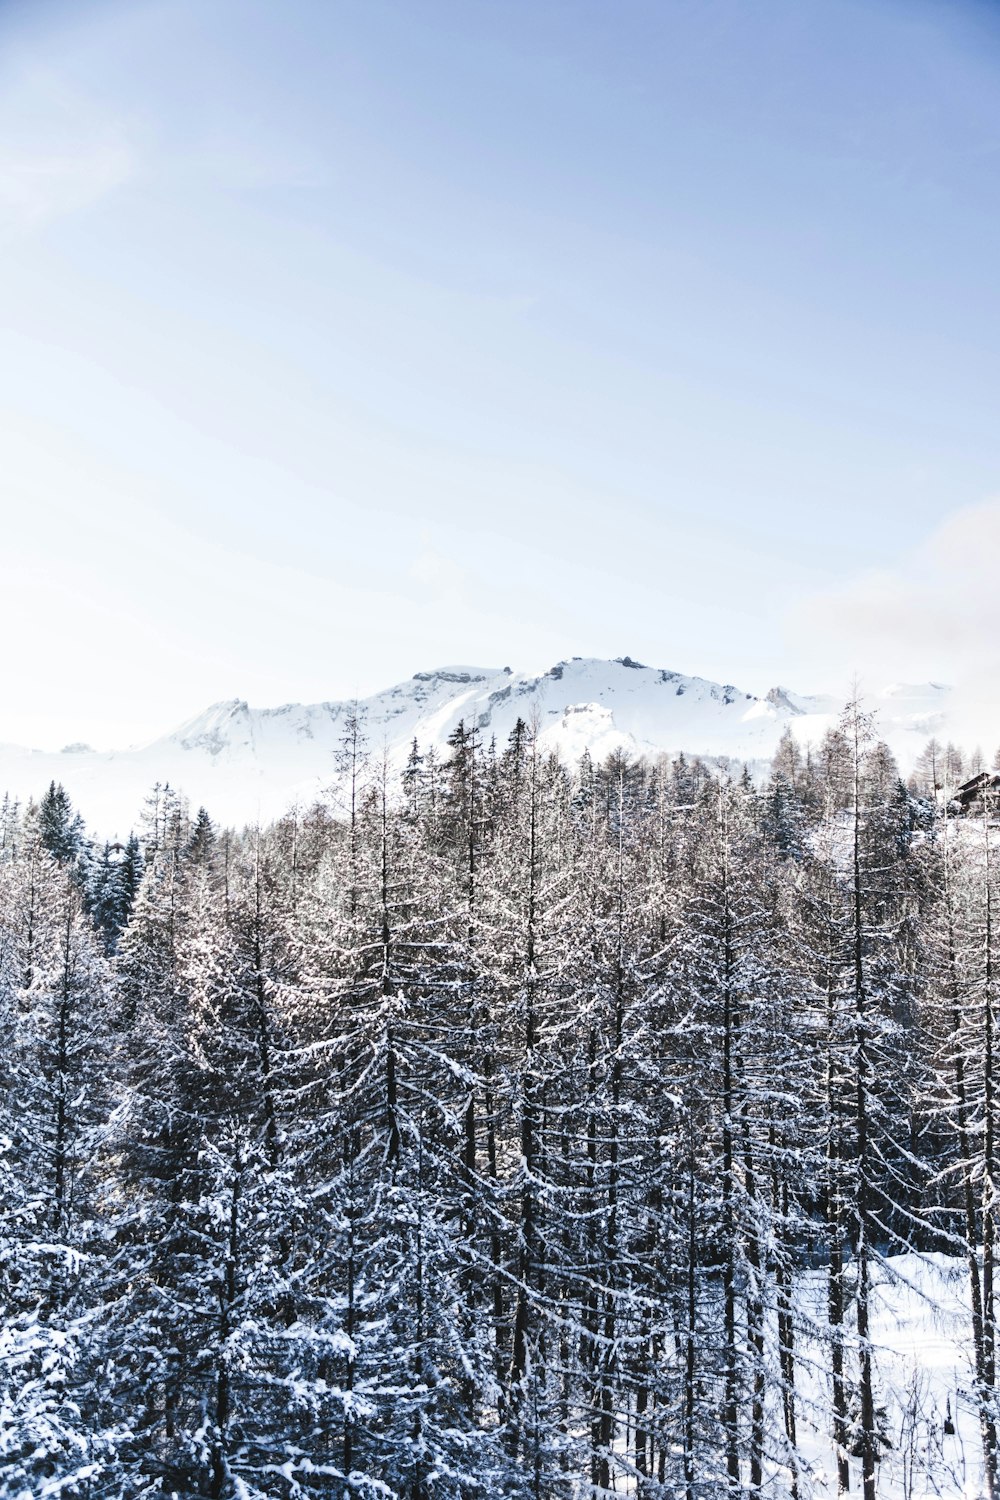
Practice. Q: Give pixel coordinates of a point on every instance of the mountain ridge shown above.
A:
(245, 763)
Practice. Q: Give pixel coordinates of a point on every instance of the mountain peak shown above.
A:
(458, 674)
(245, 763)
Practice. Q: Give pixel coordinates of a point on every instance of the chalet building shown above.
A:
(972, 794)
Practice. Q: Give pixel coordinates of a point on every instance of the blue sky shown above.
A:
(349, 339)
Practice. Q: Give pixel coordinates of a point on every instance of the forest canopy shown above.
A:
(468, 1132)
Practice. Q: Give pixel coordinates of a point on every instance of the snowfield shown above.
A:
(246, 764)
(921, 1333)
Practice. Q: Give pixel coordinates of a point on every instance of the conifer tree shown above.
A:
(55, 1430)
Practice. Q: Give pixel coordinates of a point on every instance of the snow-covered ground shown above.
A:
(921, 1334)
(922, 1361)
(246, 763)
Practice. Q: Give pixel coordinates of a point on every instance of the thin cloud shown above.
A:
(935, 615)
(60, 153)
(940, 601)
(39, 188)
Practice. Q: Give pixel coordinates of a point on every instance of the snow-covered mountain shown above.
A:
(247, 763)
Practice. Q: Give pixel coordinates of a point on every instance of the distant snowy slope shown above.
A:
(246, 763)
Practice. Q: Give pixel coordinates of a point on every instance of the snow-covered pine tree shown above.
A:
(960, 1028)
(55, 1430)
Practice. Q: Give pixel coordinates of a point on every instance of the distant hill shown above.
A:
(247, 763)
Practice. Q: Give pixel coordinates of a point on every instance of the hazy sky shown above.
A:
(343, 340)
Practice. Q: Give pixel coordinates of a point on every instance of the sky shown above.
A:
(345, 339)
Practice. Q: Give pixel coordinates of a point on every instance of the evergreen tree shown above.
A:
(56, 1433)
(60, 829)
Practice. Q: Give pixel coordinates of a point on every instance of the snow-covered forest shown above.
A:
(506, 1128)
